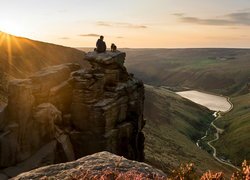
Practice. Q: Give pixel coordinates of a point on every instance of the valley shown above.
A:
(173, 126)
(214, 70)
(219, 104)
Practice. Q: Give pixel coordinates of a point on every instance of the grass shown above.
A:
(187, 117)
(222, 71)
(234, 142)
(173, 124)
(210, 136)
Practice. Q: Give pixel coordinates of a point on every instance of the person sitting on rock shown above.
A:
(100, 45)
(113, 47)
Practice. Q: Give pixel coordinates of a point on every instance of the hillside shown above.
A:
(234, 142)
(172, 123)
(222, 71)
(20, 57)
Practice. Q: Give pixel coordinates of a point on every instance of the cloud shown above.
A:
(244, 10)
(89, 35)
(121, 25)
(237, 18)
(64, 38)
(101, 23)
(119, 37)
(178, 14)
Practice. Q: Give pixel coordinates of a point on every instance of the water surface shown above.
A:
(212, 102)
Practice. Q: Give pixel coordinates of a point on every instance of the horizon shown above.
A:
(140, 24)
(85, 47)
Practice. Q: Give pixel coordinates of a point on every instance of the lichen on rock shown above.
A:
(103, 165)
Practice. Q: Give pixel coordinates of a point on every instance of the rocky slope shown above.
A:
(65, 112)
(101, 165)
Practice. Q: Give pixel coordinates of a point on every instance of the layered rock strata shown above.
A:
(65, 112)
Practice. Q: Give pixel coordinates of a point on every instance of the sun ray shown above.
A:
(9, 49)
(17, 44)
(41, 51)
(2, 38)
(6, 41)
(33, 45)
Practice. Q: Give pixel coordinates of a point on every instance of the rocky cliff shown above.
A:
(64, 112)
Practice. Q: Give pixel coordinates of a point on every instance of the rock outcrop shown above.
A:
(65, 112)
(101, 165)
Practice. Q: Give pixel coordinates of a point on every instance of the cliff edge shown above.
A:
(66, 112)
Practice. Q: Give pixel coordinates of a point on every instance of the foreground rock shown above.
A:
(65, 112)
(101, 165)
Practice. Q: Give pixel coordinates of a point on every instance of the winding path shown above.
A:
(217, 136)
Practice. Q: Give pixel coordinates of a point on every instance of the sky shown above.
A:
(130, 23)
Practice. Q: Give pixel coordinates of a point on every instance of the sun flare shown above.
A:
(11, 28)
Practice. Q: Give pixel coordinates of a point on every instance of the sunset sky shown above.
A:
(130, 23)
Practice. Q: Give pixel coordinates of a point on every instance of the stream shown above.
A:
(215, 103)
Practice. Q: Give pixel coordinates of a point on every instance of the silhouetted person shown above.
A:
(100, 45)
(113, 47)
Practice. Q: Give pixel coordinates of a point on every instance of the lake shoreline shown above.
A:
(218, 113)
(211, 101)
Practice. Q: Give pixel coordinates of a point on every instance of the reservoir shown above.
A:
(212, 102)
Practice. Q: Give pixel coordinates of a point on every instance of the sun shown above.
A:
(11, 28)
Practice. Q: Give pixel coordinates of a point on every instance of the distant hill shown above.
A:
(223, 71)
(173, 124)
(20, 57)
(234, 143)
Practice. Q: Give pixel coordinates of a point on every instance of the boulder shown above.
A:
(102, 165)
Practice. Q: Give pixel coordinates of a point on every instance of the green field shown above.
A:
(173, 125)
(222, 71)
(234, 143)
